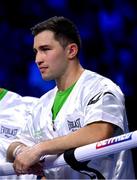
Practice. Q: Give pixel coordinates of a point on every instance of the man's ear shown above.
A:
(72, 50)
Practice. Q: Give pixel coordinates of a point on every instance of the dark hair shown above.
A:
(64, 30)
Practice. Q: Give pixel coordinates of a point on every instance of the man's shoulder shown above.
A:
(96, 82)
(6, 95)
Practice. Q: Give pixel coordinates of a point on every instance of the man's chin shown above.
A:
(46, 78)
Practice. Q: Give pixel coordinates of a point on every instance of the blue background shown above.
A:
(109, 35)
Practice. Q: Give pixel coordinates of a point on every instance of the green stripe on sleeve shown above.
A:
(2, 92)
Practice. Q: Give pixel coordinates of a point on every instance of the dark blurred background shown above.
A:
(109, 34)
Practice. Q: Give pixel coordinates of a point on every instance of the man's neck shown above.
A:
(69, 78)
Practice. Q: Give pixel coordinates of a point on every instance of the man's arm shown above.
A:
(89, 134)
(86, 135)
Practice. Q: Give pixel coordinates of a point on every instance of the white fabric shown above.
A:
(14, 111)
(93, 98)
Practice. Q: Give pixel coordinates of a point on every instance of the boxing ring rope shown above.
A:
(84, 153)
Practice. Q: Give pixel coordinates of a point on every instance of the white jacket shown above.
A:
(92, 99)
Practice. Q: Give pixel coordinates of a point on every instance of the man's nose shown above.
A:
(38, 58)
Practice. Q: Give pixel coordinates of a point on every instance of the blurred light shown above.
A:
(121, 81)
(126, 58)
(57, 4)
(110, 21)
(36, 80)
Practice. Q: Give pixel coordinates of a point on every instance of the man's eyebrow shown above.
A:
(42, 46)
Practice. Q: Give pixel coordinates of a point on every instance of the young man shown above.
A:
(83, 108)
(14, 112)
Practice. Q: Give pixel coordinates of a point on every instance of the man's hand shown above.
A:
(27, 162)
(36, 169)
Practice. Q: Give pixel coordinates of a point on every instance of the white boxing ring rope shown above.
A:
(84, 153)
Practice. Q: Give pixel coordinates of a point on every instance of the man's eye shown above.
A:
(45, 49)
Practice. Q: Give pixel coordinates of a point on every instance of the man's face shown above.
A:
(51, 57)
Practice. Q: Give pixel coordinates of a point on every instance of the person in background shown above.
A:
(14, 113)
(83, 108)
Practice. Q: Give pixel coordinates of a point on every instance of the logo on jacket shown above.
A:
(74, 125)
(8, 132)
